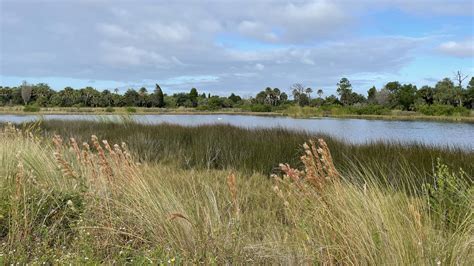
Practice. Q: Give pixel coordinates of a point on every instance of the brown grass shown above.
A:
(319, 169)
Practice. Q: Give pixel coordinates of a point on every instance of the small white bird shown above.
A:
(219, 118)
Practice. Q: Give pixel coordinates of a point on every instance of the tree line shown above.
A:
(393, 95)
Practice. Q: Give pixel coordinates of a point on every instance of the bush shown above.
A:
(31, 108)
(441, 110)
(260, 108)
(202, 108)
(109, 109)
(298, 111)
(369, 110)
(448, 197)
(131, 110)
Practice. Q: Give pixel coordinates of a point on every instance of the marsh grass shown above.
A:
(63, 203)
(225, 147)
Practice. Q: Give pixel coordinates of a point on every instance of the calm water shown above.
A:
(352, 130)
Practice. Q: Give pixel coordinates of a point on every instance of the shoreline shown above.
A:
(156, 111)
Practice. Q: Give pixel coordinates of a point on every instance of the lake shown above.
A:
(443, 134)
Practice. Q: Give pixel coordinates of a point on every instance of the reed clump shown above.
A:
(319, 169)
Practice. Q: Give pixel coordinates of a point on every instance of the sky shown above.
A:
(224, 46)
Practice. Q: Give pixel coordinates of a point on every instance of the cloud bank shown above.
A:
(218, 45)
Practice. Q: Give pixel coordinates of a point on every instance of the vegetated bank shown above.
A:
(445, 101)
(445, 113)
(66, 202)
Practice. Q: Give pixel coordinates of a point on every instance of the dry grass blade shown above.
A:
(232, 185)
(178, 215)
(62, 163)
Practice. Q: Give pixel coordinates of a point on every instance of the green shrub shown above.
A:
(368, 110)
(109, 109)
(131, 110)
(441, 110)
(31, 109)
(260, 108)
(298, 111)
(449, 197)
(202, 108)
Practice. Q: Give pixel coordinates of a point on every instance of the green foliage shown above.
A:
(469, 95)
(406, 96)
(270, 96)
(393, 95)
(131, 110)
(303, 100)
(371, 93)
(368, 110)
(202, 108)
(442, 110)
(131, 98)
(334, 109)
(426, 94)
(344, 89)
(235, 98)
(449, 197)
(193, 97)
(260, 108)
(31, 109)
(347, 96)
(214, 103)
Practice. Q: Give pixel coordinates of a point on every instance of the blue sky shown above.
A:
(234, 46)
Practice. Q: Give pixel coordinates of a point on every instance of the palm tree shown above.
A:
(320, 93)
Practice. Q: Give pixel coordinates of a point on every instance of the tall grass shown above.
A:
(260, 150)
(63, 202)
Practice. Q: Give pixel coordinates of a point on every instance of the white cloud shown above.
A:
(120, 56)
(259, 66)
(272, 42)
(458, 48)
(113, 31)
(313, 18)
(173, 32)
(256, 30)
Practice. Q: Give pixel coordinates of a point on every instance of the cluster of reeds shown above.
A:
(319, 169)
(99, 162)
(128, 203)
